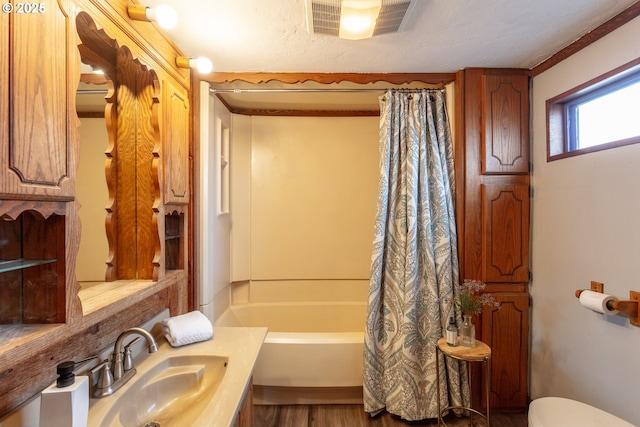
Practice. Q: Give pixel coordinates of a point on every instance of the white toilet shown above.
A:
(561, 412)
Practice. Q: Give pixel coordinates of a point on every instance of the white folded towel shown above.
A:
(187, 328)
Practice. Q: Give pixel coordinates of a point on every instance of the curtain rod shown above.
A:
(91, 92)
(213, 91)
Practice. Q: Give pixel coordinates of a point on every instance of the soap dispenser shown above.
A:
(65, 403)
(452, 333)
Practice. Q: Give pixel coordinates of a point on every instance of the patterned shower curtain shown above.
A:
(414, 263)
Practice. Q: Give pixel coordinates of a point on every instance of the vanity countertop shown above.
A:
(241, 346)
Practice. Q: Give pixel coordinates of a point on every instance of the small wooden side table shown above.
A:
(480, 353)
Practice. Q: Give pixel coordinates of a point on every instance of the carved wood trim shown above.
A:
(111, 175)
(327, 78)
(323, 78)
(97, 48)
(156, 171)
(11, 209)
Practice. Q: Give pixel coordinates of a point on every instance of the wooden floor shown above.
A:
(354, 416)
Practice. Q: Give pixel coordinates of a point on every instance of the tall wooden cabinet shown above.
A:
(493, 211)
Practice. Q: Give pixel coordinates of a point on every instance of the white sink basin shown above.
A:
(169, 390)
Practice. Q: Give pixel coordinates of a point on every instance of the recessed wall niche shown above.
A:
(174, 241)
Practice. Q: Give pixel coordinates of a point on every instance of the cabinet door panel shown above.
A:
(506, 330)
(37, 146)
(505, 233)
(505, 112)
(176, 145)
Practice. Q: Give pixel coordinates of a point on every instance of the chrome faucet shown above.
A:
(115, 376)
(118, 352)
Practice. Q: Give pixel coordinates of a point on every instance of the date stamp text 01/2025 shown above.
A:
(24, 8)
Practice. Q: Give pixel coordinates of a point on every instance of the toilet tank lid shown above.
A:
(562, 412)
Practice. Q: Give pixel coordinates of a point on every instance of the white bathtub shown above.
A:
(313, 352)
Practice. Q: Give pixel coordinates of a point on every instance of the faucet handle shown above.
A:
(106, 377)
(128, 357)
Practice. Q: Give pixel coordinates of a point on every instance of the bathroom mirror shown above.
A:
(91, 183)
(115, 184)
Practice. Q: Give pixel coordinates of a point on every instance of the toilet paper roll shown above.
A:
(597, 302)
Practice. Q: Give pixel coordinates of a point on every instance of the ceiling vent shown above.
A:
(323, 16)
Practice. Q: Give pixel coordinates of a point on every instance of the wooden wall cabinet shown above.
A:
(504, 330)
(42, 318)
(505, 124)
(493, 219)
(38, 159)
(176, 144)
(505, 235)
(37, 137)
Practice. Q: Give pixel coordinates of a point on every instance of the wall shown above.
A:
(91, 191)
(585, 227)
(312, 202)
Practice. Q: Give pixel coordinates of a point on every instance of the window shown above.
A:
(600, 114)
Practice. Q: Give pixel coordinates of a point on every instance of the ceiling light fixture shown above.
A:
(202, 64)
(165, 16)
(358, 18)
(331, 17)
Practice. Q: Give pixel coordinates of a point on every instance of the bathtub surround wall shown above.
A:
(302, 204)
(586, 227)
(303, 194)
(313, 195)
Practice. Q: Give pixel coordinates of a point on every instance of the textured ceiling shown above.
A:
(441, 36)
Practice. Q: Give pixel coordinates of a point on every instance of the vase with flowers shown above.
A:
(469, 301)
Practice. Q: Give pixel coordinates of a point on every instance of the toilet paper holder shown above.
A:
(630, 306)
